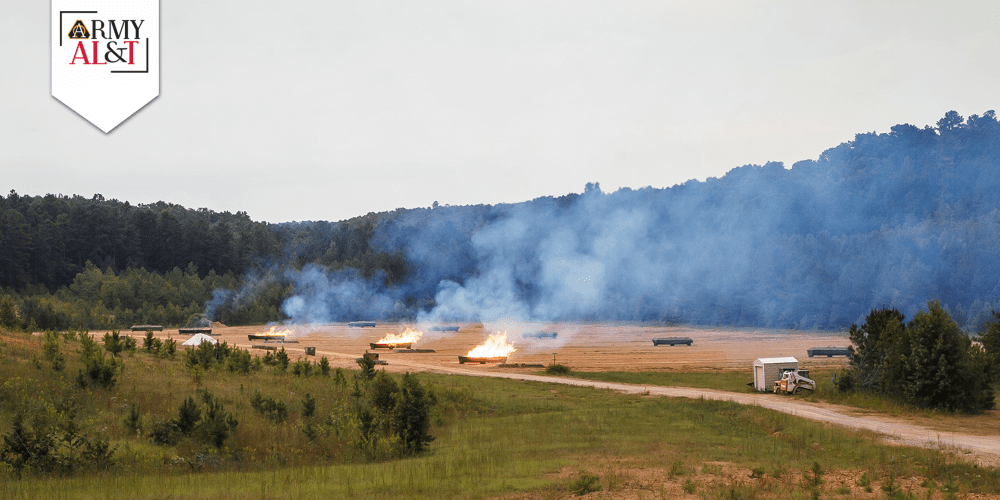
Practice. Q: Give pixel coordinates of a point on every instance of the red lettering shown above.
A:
(131, 47)
(83, 53)
(95, 54)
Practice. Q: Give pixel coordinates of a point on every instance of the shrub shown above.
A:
(59, 362)
(51, 346)
(188, 416)
(367, 364)
(98, 368)
(302, 368)
(113, 343)
(151, 343)
(218, 424)
(557, 369)
(53, 448)
(586, 483)
(167, 349)
(9, 316)
(274, 410)
(324, 366)
(412, 414)
(690, 486)
(240, 361)
(308, 406)
(281, 360)
(846, 381)
(133, 421)
(165, 431)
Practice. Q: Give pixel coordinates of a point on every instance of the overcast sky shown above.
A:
(324, 110)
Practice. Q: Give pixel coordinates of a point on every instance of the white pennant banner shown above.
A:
(105, 57)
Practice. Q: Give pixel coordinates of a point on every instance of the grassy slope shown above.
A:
(494, 437)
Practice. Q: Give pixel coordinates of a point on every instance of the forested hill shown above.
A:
(47, 240)
(895, 218)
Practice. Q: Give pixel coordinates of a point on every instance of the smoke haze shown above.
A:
(893, 219)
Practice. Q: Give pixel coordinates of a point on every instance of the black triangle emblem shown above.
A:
(78, 31)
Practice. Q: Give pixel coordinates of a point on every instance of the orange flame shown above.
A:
(407, 337)
(274, 332)
(495, 346)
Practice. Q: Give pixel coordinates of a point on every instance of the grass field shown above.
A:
(495, 438)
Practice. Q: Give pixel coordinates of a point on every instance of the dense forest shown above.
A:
(888, 219)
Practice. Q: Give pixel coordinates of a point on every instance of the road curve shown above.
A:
(985, 448)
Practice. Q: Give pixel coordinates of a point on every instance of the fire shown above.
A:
(407, 337)
(495, 346)
(274, 332)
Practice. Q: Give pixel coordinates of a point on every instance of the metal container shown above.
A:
(389, 345)
(672, 341)
(466, 359)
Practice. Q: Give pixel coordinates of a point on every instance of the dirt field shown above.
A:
(587, 347)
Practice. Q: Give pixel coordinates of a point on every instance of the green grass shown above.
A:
(723, 381)
(736, 381)
(495, 437)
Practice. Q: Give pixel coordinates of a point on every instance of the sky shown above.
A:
(325, 110)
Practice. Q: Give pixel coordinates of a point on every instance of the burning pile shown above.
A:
(402, 340)
(272, 334)
(494, 350)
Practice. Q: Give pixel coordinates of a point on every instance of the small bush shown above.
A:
(188, 416)
(308, 406)
(677, 468)
(846, 381)
(133, 421)
(165, 432)
(51, 347)
(586, 483)
(690, 486)
(151, 343)
(113, 343)
(302, 368)
(168, 348)
(557, 369)
(274, 410)
(281, 360)
(815, 475)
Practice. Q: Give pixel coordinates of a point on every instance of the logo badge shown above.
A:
(105, 57)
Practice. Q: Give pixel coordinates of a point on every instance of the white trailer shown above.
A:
(767, 371)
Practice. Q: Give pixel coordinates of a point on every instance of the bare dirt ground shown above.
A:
(604, 347)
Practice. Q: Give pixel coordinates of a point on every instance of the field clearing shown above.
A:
(585, 347)
(629, 348)
(718, 444)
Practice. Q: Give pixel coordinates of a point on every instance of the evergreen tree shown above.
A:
(941, 370)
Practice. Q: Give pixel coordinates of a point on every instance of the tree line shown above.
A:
(45, 241)
(928, 362)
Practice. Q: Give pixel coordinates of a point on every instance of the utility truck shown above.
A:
(794, 380)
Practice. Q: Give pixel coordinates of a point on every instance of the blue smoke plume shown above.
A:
(893, 219)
